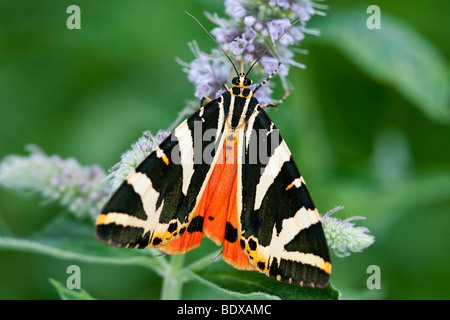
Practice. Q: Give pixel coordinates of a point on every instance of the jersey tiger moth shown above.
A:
(227, 174)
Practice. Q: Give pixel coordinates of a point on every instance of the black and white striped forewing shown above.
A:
(156, 202)
(281, 232)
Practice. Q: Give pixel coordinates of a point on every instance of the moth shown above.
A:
(227, 174)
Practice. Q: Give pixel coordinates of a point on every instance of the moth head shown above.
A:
(241, 81)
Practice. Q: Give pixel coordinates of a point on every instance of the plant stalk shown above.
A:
(172, 282)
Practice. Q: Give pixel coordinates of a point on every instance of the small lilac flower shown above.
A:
(283, 4)
(272, 3)
(263, 95)
(249, 21)
(224, 34)
(277, 28)
(249, 35)
(248, 57)
(258, 26)
(296, 34)
(238, 46)
(303, 9)
(207, 74)
(203, 88)
(264, 32)
(270, 64)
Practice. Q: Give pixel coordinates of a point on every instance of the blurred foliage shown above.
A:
(368, 125)
(68, 294)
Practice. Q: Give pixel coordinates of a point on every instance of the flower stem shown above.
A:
(172, 282)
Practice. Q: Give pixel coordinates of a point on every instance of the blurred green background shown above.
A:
(368, 125)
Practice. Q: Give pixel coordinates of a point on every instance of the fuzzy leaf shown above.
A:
(67, 238)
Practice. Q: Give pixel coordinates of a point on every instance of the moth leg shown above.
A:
(277, 104)
(162, 254)
(268, 78)
(202, 102)
(217, 256)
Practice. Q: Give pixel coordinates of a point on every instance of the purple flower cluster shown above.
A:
(249, 31)
(343, 237)
(81, 189)
(133, 157)
(207, 74)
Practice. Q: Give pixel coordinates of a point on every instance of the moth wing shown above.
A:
(157, 202)
(280, 228)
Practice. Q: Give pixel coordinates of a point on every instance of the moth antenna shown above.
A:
(231, 61)
(273, 46)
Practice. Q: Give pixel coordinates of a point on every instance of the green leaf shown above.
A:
(4, 230)
(396, 55)
(253, 285)
(68, 238)
(67, 294)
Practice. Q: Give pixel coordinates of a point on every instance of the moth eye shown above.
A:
(247, 82)
(235, 81)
